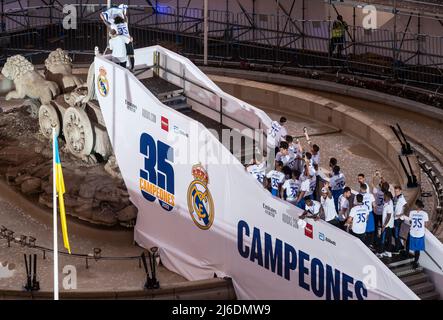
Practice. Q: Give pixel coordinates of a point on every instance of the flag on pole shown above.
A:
(60, 188)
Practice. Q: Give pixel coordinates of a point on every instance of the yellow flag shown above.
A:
(60, 188)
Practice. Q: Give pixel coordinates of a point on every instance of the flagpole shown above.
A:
(54, 204)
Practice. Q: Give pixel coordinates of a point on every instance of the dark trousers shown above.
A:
(378, 220)
(385, 242)
(122, 64)
(398, 244)
(338, 43)
(335, 222)
(362, 236)
(370, 239)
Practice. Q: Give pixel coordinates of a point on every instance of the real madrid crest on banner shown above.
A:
(102, 82)
(200, 203)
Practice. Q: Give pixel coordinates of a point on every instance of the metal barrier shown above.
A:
(256, 38)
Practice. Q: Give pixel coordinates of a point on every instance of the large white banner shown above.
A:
(197, 204)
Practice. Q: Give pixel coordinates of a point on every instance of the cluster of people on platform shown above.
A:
(373, 213)
(120, 42)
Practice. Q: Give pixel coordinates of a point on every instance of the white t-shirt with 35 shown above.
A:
(418, 219)
(359, 215)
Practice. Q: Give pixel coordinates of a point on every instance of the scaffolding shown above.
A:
(399, 53)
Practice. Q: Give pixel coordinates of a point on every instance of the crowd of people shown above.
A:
(374, 213)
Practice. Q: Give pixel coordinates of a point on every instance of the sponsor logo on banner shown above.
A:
(309, 230)
(269, 210)
(200, 203)
(149, 115)
(130, 106)
(165, 124)
(157, 175)
(322, 237)
(102, 82)
(177, 130)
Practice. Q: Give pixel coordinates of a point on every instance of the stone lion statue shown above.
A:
(28, 82)
(59, 69)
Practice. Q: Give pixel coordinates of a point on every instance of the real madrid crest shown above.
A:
(200, 203)
(102, 82)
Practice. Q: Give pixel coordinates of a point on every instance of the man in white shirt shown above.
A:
(344, 206)
(110, 14)
(337, 183)
(312, 209)
(304, 192)
(369, 201)
(328, 206)
(361, 179)
(121, 26)
(358, 217)
(399, 209)
(258, 171)
(291, 188)
(285, 156)
(384, 249)
(117, 44)
(419, 223)
(315, 151)
(277, 133)
(276, 179)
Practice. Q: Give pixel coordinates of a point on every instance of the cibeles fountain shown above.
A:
(63, 98)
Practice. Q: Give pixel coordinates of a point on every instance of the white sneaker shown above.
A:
(387, 254)
(379, 255)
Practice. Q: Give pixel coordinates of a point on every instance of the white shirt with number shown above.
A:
(277, 178)
(388, 208)
(418, 219)
(328, 208)
(118, 46)
(359, 215)
(292, 188)
(379, 200)
(314, 209)
(316, 158)
(275, 133)
(368, 200)
(337, 181)
(258, 171)
(121, 29)
(399, 206)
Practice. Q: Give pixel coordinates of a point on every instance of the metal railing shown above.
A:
(408, 58)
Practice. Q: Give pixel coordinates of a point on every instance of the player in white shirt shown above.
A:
(304, 191)
(315, 151)
(358, 217)
(419, 223)
(296, 149)
(328, 206)
(387, 226)
(379, 194)
(117, 44)
(337, 182)
(258, 171)
(276, 179)
(285, 156)
(277, 133)
(369, 202)
(399, 210)
(312, 209)
(110, 14)
(361, 179)
(344, 206)
(291, 188)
